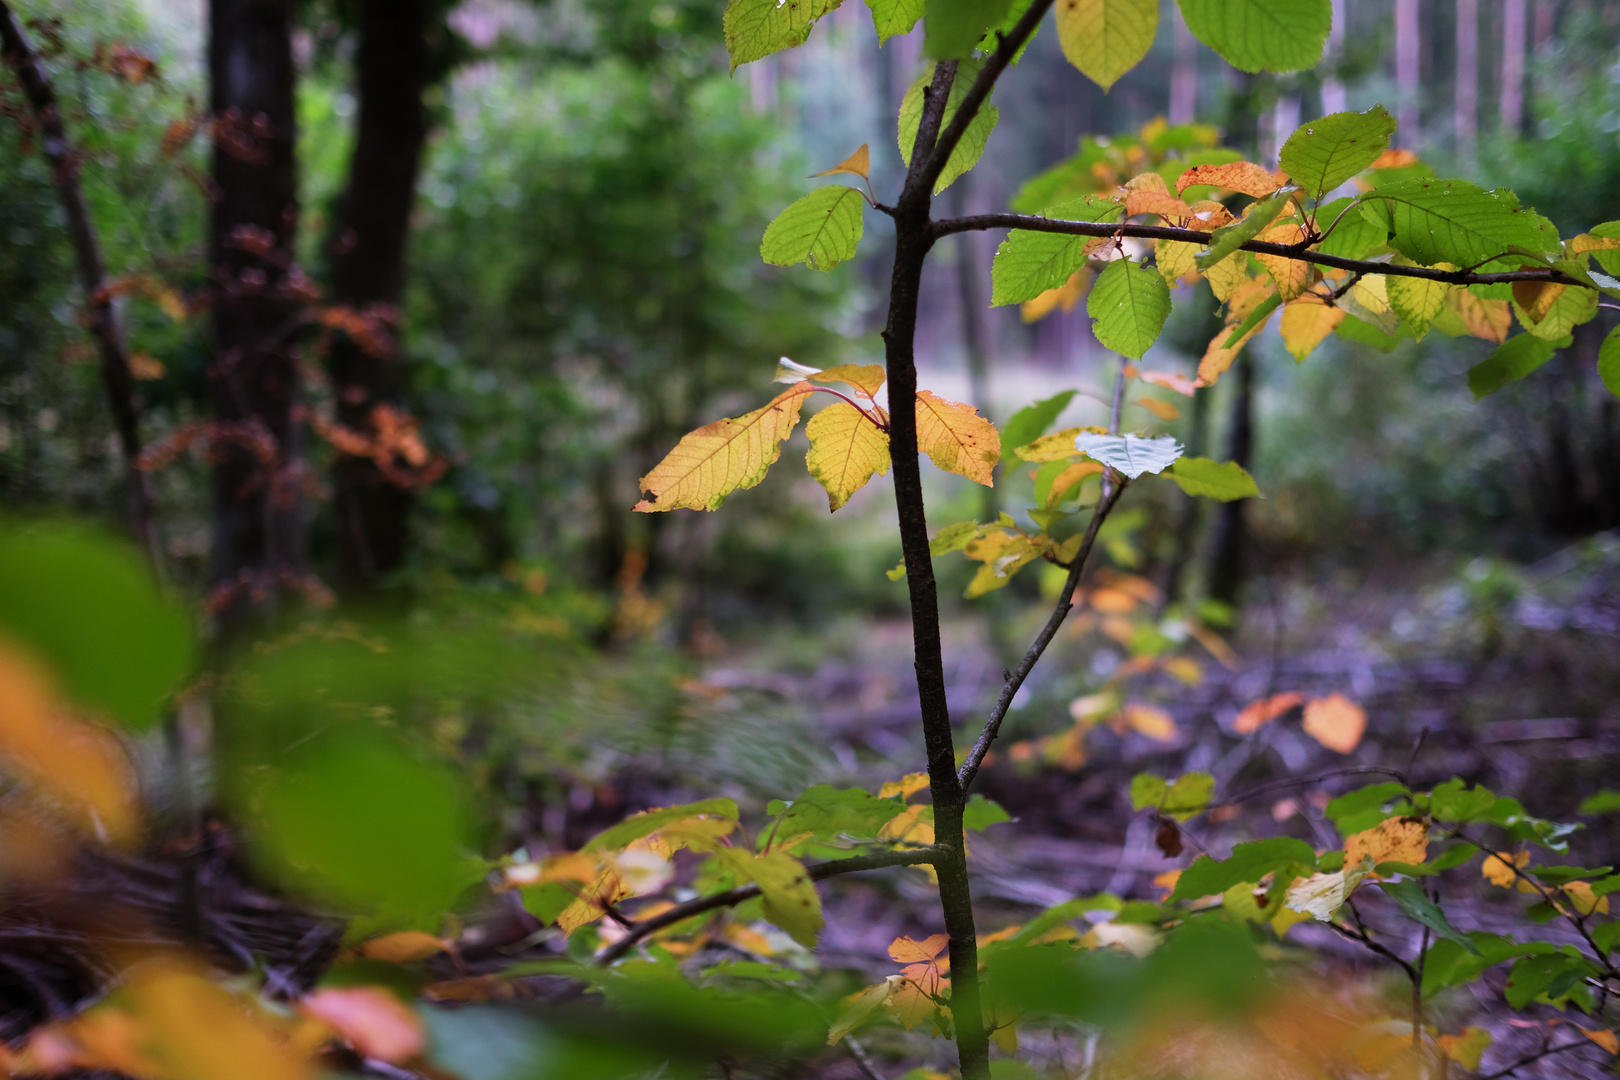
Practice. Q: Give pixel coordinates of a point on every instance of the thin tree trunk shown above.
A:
(1512, 92)
(104, 325)
(258, 479)
(392, 65)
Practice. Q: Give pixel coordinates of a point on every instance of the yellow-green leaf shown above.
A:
(971, 148)
(1417, 300)
(1274, 35)
(821, 229)
(891, 17)
(1565, 311)
(956, 438)
(710, 463)
(1106, 38)
(1325, 153)
(846, 450)
(1307, 322)
(790, 896)
(757, 28)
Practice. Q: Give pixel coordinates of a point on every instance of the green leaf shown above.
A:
(1454, 800)
(1106, 38)
(1128, 305)
(821, 229)
(1574, 306)
(1132, 455)
(1610, 258)
(757, 28)
(1031, 422)
(647, 822)
(980, 813)
(1029, 263)
(1085, 208)
(1453, 221)
(1229, 238)
(1148, 791)
(1551, 974)
(547, 900)
(752, 969)
(1417, 905)
(1453, 857)
(1353, 235)
(824, 810)
(1449, 964)
(1224, 480)
(1325, 153)
(1067, 179)
(971, 148)
(86, 605)
(1278, 35)
(1358, 810)
(1606, 801)
(1249, 862)
(357, 822)
(1351, 328)
(1189, 795)
(791, 901)
(992, 37)
(1511, 361)
(1607, 936)
(1563, 875)
(953, 27)
(891, 17)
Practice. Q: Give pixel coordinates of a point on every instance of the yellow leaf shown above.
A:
(1286, 919)
(1488, 319)
(1466, 1049)
(1585, 900)
(1586, 242)
(1218, 357)
(1336, 722)
(1391, 840)
(725, 456)
(846, 450)
(1244, 176)
(956, 438)
(1306, 323)
(857, 164)
(1185, 669)
(1175, 259)
(909, 826)
(1259, 713)
(1153, 722)
(905, 950)
(1293, 276)
(78, 766)
(197, 1030)
(1228, 275)
(1070, 477)
(790, 896)
(1418, 300)
(1053, 447)
(1372, 292)
(1208, 215)
(858, 1007)
(405, 947)
(1162, 409)
(1604, 1037)
(865, 378)
(1003, 554)
(1498, 871)
(1065, 296)
(905, 787)
(378, 1024)
(911, 1003)
(607, 889)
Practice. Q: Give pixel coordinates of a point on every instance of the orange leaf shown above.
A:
(911, 1004)
(1260, 713)
(1292, 276)
(1336, 722)
(405, 947)
(377, 1023)
(857, 164)
(1170, 381)
(906, 950)
(1391, 840)
(1244, 176)
(1394, 159)
(1148, 194)
(1151, 721)
(956, 438)
(1068, 478)
(1488, 319)
(710, 463)
(1604, 1037)
(1162, 409)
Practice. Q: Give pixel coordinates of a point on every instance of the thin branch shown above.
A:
(1287, 251)
(733, 897)
(116, 377)
(940, 153)
(1545, 1051)
(862, 1058)
(935, 98)
(1359, 934)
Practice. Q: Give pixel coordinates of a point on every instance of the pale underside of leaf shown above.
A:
(1132, 455)
(956, 438)
(822, 229)
(710, 463)
(846, 451)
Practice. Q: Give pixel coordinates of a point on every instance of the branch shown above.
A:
(975, 98)
(933, 113)
(1359, 934)
(1034, 223)
(733, 897)
(104, 326)
(1545, 1051)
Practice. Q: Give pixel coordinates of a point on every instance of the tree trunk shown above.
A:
(392, 66)
(258, 476)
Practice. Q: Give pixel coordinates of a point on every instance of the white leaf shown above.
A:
(1132, 455)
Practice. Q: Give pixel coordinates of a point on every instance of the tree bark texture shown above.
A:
(393, 68)
(258, 472)
(116, 379)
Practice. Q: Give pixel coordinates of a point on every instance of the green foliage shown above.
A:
(1280, 35)
(971, 148)
(1224, 480)
(1250, 861)
(1128, 306)
(1029, 263)
(953, 27)
(1029, 424)
(757, 28)
(891, 17)
(822, 229)
(1511, 361)
(1326, 152)
(828, 812)
(1184, 799)
(1453, 221)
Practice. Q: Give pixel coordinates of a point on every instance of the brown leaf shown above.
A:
(1244, 176)
(1168, 839)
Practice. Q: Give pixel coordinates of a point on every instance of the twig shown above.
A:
(862, 1058)
(1033, 223)
(116, 377)
(1545, 1051)
(733, 897)
(1360, 934)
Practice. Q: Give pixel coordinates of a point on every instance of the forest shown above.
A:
(1181, 642)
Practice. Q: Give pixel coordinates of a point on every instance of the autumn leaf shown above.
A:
(728, 455)
(1227, 276)
(914, 826)
(1167, 379)
(867, 379)
(1243, 176)
(1336, 722)
(1257, 714)
(1498, 871)
(378, 1024)
(857, 164)
(1322, 895)
(1394, 839)
(846, 450)
(405, 947)
(956, 438)
(1483, 318)
(1604, 1037)
(1586, 901)
(1147, 193)
(905, 950)
(1003, 553)
(1149, 720)
(197, 1030)
(1417, 300)
(1054, 447)
(1307, 322)
(791, 901)
(1467, 1048)
(1175, 259)
(1106, 38)
(859, 1007)
(905, 787)
(1162, 409)
(1292, 276)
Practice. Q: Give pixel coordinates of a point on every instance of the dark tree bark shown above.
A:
(258, 475)
(393, 65)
